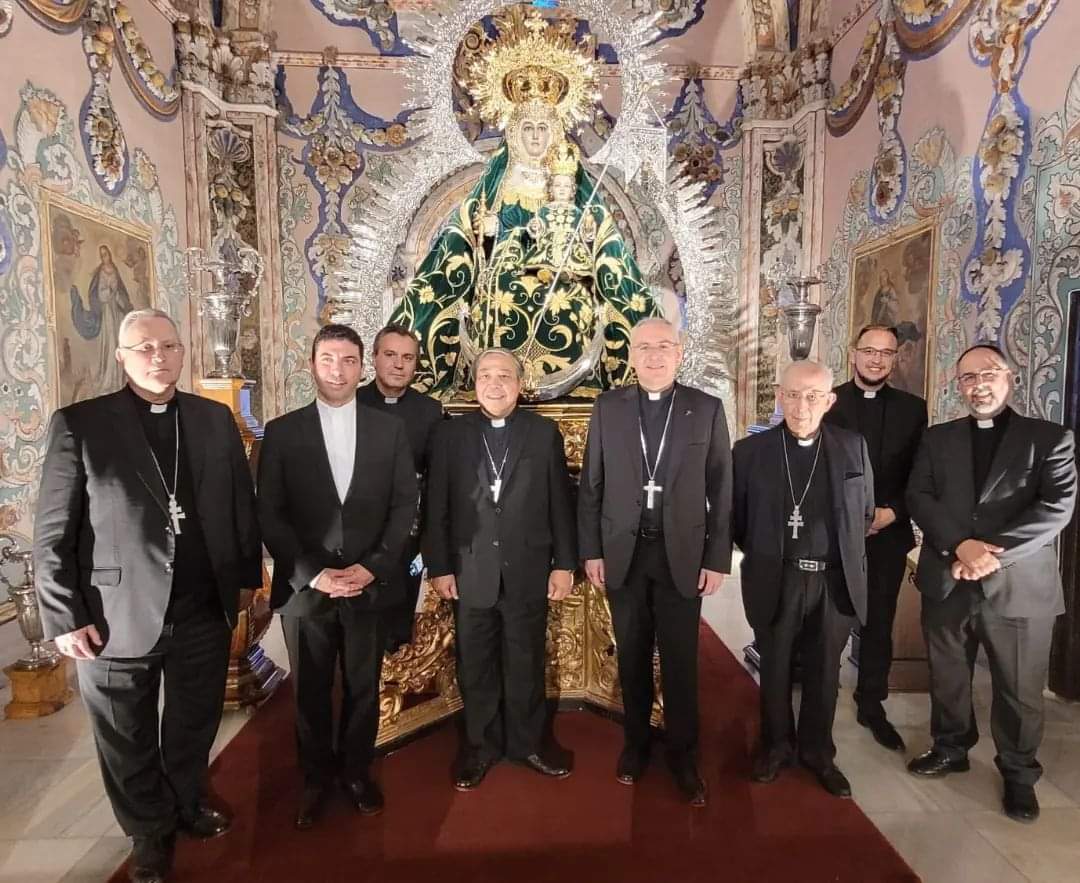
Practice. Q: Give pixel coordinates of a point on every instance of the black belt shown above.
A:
(651, 533)
(810, 565)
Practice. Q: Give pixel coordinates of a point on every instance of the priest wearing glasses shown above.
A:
(499, 542)
(144, 535)
(654, 509)
(892, 422)
(991, 492)
(804, 502)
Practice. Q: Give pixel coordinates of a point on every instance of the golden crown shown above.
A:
(534, 60)
(562, 159)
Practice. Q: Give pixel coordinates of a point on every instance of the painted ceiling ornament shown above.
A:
(7, 16)
(157, 92)
(851, 98)
(378, 18)
(697, 139)
(776, 86)
(999, 36)
(888, 175)
(103, 138)
(57, 15)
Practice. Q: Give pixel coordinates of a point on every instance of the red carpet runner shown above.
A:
(518, 827)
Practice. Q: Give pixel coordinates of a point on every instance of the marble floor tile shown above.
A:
(1047, 851)
(42, 861)
(44, 798)
(100, 862)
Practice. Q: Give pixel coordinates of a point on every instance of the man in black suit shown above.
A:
(144, 535)
(337, 497)
(499, 541)
(394, 353)
(804, 501)
(991, 492)
(892, 423)
(654, 507)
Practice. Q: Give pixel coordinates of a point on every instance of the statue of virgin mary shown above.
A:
(532, 260)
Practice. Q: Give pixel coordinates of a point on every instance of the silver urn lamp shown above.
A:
(800, 315)
(236, 274)
(27, 611)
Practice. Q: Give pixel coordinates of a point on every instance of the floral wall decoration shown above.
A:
(240, 73)
(999, 36)
(43, 152)
(776, 88)
(7, 17)
(697, 139)
(108, 30)
(294, 208)
(888, 175)
(1049, 218)
(337, 134)
(850, 99)
(939, 188)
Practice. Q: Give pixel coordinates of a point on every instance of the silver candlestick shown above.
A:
(800, 315)
(236, 276)
(26, 607)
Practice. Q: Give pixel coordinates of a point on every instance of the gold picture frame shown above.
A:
(892, 281)
(96, 268)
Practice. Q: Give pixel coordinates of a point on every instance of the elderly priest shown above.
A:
(804, 501)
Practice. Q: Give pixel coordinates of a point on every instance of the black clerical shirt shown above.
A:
(817, 535)
(654, 413)
(498, 440)
(984, 444)
(194, 593)
(409, 406)
(870, 417)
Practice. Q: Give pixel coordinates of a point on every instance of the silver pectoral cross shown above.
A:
(651, 490)
(176, 513)
(496, 488)
(795, 522)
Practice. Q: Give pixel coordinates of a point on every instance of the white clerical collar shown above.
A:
(806, 442)
(159, 407)
(655, 396)
(391, 400)
(338, 411)
(985, 424)
(498, 422)
(869, 393)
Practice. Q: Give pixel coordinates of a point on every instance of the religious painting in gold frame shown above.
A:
(97, 268)
(892, 281)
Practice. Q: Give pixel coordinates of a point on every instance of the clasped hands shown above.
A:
(346, 582)
(976, 559)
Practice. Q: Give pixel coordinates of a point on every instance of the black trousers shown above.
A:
(809, 618)
(500, 667)
(1018, 650)
(885, 563)
(351, 639)
(400, 617)
(155, 767)
(649, 611)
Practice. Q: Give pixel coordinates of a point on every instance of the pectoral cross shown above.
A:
(651, 490)
(795, 522)
(496, 488)
(176, 514)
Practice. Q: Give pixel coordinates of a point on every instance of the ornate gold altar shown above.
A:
(419, 685)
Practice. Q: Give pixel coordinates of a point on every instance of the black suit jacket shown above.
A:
(103, 542)
(420, 414)
(1027, 500)
(518, 540)
(903, 425)
(307, 528)
(758, 516)
(697, 495)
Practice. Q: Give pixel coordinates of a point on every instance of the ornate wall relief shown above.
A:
(697, 138)
(777, 88)
(235, 68)
(44, 153)
(888, 176)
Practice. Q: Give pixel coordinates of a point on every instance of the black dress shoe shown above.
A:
(631, 765)
(832, 780)
(934, 763)
(151, 859)
(690, 783)
(206, 823)
(365, 796)
(312, 802)
(767, 766)
(884, 733)
(471, 772)
(546, 766)
(1020, 803)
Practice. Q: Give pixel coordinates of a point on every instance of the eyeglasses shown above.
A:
(812, 397)
(971, 378)
(870, 351)
(663, 348)
(151, 349)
